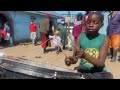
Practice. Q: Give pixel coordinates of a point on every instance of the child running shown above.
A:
(92, 49)
(56, 40)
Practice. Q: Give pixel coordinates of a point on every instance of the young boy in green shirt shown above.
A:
(92, 49)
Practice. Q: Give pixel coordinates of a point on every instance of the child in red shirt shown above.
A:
(3, 33)
(33, 31)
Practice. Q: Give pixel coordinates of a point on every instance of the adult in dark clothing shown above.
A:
(44, 30)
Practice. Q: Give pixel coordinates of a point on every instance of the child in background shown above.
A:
(77, 29)
(56, 40)
(3, 35)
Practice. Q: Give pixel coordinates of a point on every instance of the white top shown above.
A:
(56, 40)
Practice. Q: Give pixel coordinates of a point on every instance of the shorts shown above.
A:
(33, 35)
(115, 41)
(7, 36)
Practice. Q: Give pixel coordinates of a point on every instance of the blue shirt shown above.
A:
(114, 25)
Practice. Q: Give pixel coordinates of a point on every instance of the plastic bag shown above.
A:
(2, 54)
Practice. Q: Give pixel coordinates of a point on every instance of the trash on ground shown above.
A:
(2, 54)
(38, 57)
(10, 57)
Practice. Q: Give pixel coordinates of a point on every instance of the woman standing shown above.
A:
(77, 29)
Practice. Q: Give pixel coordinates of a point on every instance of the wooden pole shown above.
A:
(63, 52)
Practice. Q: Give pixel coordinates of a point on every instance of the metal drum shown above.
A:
(23, 69)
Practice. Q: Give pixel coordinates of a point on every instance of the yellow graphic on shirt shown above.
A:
(92, 52)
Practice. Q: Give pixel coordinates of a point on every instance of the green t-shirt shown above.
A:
(91, 46)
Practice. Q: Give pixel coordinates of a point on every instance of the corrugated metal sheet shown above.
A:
(52, 13)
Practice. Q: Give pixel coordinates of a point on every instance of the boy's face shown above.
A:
(94, 23)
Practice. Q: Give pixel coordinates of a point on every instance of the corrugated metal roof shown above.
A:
(52, 13)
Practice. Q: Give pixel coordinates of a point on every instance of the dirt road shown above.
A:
(35, 53)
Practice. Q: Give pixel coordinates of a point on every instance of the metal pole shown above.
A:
(68, 22)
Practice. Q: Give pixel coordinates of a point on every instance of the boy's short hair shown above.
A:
(101, 16)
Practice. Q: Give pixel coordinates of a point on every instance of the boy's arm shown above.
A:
(75, 59)
(99, 62)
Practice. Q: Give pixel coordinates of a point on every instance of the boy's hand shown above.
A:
(68, 60)
(79, 53)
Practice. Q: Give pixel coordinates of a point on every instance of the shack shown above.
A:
(19, 22)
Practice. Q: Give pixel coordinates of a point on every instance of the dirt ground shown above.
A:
(35, 53)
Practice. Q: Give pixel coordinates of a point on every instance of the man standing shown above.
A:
(44, 29)
(7, 38)
(63, 32)
(33, 30)
(113, 31)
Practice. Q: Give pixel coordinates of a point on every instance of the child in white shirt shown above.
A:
(56, 40)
